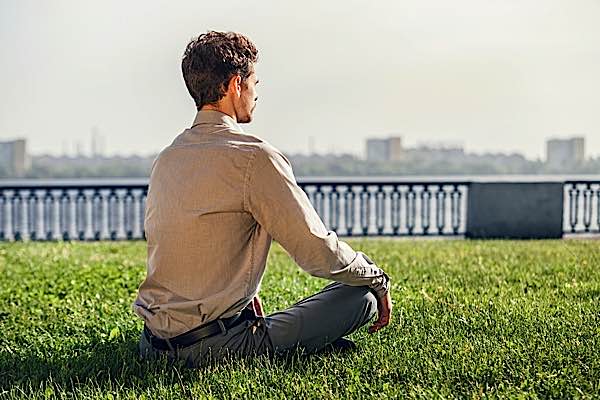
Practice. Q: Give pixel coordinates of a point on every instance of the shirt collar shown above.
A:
(214, 117)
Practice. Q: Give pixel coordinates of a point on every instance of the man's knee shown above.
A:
(363, 300)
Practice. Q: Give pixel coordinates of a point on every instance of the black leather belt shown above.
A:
(195, 335)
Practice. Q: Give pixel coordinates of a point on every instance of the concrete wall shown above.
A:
(524, 210)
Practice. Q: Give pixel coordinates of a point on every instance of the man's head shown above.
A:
(218, 69)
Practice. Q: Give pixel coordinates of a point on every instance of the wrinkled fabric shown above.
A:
(217, 197)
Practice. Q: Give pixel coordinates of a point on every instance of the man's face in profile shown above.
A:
(245, 105)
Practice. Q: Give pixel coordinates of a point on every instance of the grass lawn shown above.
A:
(471, 319)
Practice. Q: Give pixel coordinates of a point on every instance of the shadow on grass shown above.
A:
(103, 364)
(98, 361)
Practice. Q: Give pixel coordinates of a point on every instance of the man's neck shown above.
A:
(221, 108)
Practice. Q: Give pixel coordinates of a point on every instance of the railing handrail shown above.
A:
(73, 184)
(49, 184)
(580, 181)
(358, 181)
(139, 183)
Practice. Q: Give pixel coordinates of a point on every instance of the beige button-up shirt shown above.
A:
(216, 199)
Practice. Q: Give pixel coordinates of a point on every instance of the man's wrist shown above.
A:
(382, 285)
(382, 288)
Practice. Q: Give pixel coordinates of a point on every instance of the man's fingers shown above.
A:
(384, 308)
(374, 328)
(383, 321)
(377, 326)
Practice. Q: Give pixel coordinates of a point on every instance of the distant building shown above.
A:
(565, 152)
(395, 146)
(377, 149)
(430, 153)
(389, 149)
(14, 161)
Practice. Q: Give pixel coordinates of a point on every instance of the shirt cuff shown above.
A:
(375, 278)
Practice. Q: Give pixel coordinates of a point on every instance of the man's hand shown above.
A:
(256, 306)
(384, 309)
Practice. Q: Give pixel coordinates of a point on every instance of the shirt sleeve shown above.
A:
(280, 206)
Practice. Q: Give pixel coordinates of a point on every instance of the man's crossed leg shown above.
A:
(311, 325)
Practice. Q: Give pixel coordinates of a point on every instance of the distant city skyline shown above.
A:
(493, 76)
(391, 148)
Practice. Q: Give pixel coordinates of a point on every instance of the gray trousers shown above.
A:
(309, 325)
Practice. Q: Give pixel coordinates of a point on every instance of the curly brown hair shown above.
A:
(211, 60)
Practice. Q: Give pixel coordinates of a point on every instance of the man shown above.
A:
(217, 197)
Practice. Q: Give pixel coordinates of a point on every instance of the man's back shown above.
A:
(217, 199)
(205, 251)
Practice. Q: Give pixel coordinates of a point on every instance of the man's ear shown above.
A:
(235, 85)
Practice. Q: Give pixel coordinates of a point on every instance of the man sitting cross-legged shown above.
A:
(217, 197)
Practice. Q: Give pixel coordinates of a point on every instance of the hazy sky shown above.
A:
(501, 75)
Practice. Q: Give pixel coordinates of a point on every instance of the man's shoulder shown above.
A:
(256, 142)
(266, 152)
(262, 148)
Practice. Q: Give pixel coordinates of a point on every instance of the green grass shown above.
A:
(471, 319)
